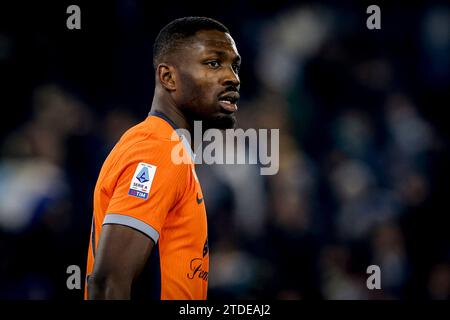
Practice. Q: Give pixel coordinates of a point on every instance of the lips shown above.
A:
(228, 101)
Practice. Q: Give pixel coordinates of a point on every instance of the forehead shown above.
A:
(213, 40)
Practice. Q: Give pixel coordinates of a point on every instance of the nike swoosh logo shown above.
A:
(199, 200)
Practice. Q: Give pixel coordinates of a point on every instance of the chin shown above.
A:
(221, 121)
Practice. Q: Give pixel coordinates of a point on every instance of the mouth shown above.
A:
(228, 102)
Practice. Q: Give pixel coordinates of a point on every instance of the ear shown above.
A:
(166, 76)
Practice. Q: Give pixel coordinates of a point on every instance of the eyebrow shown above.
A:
(223, 54)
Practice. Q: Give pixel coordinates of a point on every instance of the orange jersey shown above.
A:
(141, 187)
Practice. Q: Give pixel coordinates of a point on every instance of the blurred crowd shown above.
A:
(362, 178)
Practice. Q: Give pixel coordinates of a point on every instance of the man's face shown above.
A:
(207, 79)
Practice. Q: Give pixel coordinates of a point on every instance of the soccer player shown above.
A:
(149, 229)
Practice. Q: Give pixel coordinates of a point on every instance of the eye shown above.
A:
(236, 68)
(213, 64)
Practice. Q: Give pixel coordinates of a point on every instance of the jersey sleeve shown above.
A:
(149, 184)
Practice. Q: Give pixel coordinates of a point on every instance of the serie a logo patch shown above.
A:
(142, 180)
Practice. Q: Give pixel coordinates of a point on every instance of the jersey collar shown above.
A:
(175, 127)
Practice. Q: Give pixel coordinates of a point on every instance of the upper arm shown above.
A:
(121, 255)
(145, 188)
(145, 191)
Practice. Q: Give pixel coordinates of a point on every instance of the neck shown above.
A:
(171, 111)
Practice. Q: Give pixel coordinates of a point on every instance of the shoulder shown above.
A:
(150, 144)
(152, 151)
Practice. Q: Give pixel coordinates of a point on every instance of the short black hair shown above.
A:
(176, 32)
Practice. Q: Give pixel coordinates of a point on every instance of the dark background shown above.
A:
(364, 138)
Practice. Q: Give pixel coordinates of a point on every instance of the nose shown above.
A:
(231, 78)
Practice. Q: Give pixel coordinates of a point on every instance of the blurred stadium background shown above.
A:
(363, 144)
